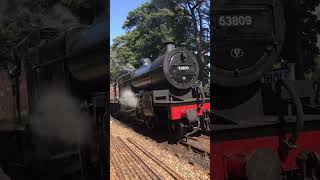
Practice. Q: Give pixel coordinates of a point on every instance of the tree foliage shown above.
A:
(310, 32)
(81, 8)
(147, 28)
(185, 22)
(18, 18)
(117, 67)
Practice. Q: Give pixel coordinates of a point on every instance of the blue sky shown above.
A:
(119, 10)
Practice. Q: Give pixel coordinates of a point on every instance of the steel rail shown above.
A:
(145, 167)
(130, 169)
(131, 164)
(115, 161)
(156, 160)
(194, 147)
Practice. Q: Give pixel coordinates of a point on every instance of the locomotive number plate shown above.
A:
(183, 68)
(235, 20)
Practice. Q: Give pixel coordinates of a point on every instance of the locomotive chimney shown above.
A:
(145, 62)
(170, 46)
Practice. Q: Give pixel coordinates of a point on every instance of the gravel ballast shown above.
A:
(179, 165)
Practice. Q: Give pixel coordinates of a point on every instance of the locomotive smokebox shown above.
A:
(248, 40)
(249, 36)
(177, 68)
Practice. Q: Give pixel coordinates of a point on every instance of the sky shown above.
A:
(119, 9)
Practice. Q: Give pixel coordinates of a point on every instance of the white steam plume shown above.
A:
(56, 16)
(58, 117)
(128, 98)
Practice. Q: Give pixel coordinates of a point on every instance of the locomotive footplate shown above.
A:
(268, 126)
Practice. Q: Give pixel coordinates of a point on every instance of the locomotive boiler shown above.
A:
(262, 127)
(76, 47)
(168, 94)
(178, 69)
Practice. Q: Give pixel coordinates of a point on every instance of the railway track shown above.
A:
(199, 144)
(128, 161)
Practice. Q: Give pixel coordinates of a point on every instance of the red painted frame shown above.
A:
(180, 111)
(220, 151)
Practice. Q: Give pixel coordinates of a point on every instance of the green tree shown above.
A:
(117, 67)
(198, 13)
(148, 26)
(19, 18)
(301, 34)
(310, 32)
(81, 8)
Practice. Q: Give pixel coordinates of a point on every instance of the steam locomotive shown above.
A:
(167, 93)
(73, 62)
(263, 128)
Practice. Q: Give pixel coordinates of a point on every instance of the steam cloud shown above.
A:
(57, 16)
(60, 17)
(128, 98)
(58, 117)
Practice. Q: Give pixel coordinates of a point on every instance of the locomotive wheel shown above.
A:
(176, 131)
(150, 122)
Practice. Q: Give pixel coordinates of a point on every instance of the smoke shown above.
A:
(58, 117)
(317, 11)
(128, 98)
(60, 17)
(31, 13)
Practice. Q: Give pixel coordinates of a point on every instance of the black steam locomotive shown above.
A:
(263, 127)
(167, 93)
(73, 62)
